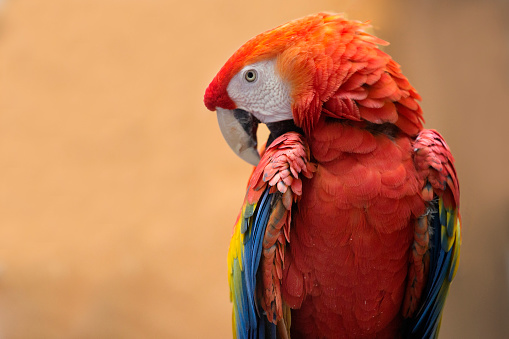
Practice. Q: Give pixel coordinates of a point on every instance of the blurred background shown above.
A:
(118, 194)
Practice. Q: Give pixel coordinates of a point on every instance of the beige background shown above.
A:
(118, 194)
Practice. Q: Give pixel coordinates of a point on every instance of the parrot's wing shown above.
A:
(256, 255)
(437, 237)
(243, 261)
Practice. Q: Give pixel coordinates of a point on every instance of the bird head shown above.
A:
(284, 76)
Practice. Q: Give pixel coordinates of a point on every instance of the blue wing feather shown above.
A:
(443, 262)
(250, 322)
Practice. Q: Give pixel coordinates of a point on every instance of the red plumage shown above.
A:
(351, 237)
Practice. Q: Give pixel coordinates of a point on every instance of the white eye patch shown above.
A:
(258, 89)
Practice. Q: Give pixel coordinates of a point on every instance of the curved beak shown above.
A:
(239, 130)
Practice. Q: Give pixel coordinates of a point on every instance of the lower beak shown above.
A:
(239, 130)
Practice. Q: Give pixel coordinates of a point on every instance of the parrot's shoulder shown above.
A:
(435, 164)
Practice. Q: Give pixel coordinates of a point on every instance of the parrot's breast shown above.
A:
(347, 260)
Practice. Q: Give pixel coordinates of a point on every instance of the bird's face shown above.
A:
(259, 95)
(259, 83)
(259, 90)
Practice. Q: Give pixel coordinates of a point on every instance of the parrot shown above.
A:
(350, 225)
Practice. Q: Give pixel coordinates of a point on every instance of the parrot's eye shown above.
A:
(251, 75)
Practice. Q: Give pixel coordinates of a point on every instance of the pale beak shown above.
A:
(239, 130)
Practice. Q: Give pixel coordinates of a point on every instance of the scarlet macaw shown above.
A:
(350, 227)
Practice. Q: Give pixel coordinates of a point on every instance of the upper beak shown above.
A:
(239, 130)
